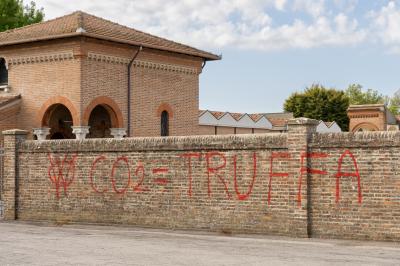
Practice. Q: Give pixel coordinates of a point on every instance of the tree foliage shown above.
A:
(358, 96)
(394, 103)
(320, 103)
(14, 14)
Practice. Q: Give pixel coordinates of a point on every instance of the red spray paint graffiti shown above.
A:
(59, 170)
(140, 173)
(214, 170)
(353, 174)
(91, 178)
(278, 155)
(119, 180)
(250, 189)
(189, 157)
(306, 169)
(114, 169)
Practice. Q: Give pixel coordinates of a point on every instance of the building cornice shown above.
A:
(143, 64)
(60, 56)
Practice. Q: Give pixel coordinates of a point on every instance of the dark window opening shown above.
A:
(164, 124)
(59, 119)
(3, 72)
(100, 123)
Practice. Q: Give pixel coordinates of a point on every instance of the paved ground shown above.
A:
(22, 244)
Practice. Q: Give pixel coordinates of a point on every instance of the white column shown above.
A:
(118, 133)
(80, 131)
(41, 132)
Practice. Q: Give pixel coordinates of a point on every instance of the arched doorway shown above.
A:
(365, 127)
(59, 119)
(101, 120)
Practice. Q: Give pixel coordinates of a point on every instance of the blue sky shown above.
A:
(270, 48)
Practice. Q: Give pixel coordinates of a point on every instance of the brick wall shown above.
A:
(300, 183)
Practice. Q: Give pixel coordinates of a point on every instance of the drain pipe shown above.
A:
(204, 64)
(129, 90)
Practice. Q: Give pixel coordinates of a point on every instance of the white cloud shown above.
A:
(313, 7)
(217, 24)
(386, 26)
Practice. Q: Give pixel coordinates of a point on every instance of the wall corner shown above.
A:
(10, 190)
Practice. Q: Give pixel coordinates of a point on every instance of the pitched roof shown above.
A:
(328, 124)
(217, 114)
(237, 116)
(277, 122)
(6, 99)
(10, 105)
(83, 24)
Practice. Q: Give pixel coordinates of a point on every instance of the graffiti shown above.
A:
(275, 155)
(354, 174)
(120, 175)
(239, 195)
(189, 156)
(307, 170)
(61, 172)
(140, 173)
(211, 156)
(115, 168)
(91, 178)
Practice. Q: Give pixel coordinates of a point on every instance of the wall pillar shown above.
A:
(12, 139)
(300, 131)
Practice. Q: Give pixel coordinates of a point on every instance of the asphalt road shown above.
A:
(28, 244)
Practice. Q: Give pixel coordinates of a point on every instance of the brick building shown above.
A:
(81, 71)
(371, 117)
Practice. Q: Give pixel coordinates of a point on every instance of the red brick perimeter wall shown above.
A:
(297, 184)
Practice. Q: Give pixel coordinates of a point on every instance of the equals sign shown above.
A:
(161, 181)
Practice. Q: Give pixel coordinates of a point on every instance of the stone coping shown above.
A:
(376, 139)
(227, 142)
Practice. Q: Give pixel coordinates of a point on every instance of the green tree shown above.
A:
(320, 103)
(14, 14)
(358, 96)
(394, 103)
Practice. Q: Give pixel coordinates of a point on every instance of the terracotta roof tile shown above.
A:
(256, 117)
(237, 116)
(217, 115)
(278, 122)
(83, 24)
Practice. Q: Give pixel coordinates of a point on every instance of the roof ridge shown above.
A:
(80, 19)
(82, 23)
(142, 32)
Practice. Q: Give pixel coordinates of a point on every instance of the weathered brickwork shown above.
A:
(82, 70)
(41, 72)
(300, 183)
(358, 195)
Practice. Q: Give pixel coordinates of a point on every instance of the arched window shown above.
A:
(164, 124)
(3, 72)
